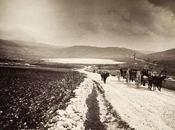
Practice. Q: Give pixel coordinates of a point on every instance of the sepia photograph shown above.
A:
(87, 64)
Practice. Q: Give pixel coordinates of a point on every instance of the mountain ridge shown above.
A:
(166, 55)
(23, 49)
(12, 49)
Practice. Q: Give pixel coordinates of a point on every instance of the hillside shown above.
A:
(167, 55)
(17, 49)
(97, 52)
(26, 50)
(164, 59)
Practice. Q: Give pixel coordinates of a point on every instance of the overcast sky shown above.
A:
(136, 24)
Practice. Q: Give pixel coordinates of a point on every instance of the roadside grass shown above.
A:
(169, 85)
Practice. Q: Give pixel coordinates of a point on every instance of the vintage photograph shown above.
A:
(87, 64)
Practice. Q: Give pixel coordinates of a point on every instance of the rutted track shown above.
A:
(101, 115)
(93, 119)
(142, 109)
(109, 117)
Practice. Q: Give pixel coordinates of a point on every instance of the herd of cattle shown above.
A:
(141, 77)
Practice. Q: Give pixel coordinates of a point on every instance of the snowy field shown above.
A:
(81, 61)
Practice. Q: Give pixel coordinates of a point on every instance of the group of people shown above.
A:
(131, 75)
(141, 77)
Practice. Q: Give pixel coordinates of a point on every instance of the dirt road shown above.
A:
(140, 108)
(116, 106)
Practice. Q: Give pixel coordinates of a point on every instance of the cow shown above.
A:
(156, 81)
(144, 76)
(133, 74)
(128, 74)
(123, 72)
(104, 76)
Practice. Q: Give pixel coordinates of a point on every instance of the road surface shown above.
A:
(116, 105)
(140, 108)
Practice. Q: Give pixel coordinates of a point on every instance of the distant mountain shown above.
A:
(23, 50)
(97, 52)
(168, 55)
(164, 60)
(146, 52)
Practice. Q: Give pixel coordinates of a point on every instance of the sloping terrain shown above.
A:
(167, 55)
(19, 50)
(23, 50)
(97, 52)
(164, 59)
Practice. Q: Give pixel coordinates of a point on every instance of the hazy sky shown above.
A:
(136, 24)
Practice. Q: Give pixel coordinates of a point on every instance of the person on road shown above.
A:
(128, 75)
(118, 75)
(138, 79)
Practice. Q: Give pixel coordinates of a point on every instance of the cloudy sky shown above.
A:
(136, 24)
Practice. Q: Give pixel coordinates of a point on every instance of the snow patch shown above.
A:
(74, 116)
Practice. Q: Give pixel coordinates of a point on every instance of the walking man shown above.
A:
(128, 75)
(138, 79)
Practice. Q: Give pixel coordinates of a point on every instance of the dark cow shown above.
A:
(144, 76)
(133, 74)
(104, 76)
(123, 72)
(156, 81)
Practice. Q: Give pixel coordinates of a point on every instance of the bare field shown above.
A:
(29, 97)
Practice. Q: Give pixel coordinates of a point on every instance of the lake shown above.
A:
(81, 61)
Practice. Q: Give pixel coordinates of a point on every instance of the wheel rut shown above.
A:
(109, 117)
(93, 119)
